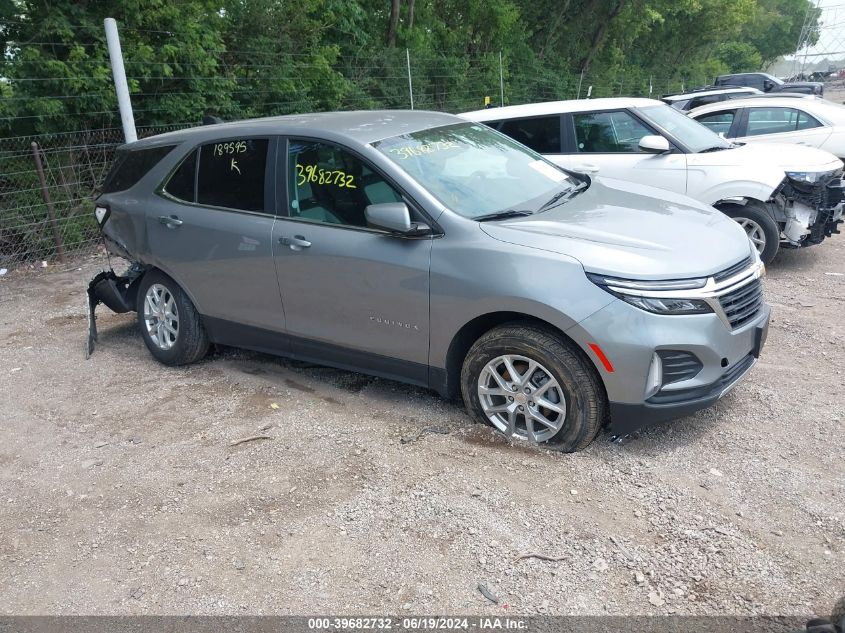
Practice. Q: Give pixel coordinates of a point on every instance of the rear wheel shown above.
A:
(530, 384)
(761, 229)
(169, 322)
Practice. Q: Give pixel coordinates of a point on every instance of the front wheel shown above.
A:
(530, 384)
(761, 229)
(169, 322)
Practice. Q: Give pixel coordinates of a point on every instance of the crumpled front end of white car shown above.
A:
(809, 206)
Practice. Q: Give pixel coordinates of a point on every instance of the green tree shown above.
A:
(57, 63)
(776, 27)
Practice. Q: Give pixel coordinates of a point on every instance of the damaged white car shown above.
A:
(782, 195)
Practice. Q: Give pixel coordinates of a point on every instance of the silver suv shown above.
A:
(421, 247)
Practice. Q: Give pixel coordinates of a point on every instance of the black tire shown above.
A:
(585, 397)
(191, 341)
(755, 213)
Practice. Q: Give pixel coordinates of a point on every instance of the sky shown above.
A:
(832, 37)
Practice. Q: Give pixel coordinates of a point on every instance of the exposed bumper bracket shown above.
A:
(113, 290)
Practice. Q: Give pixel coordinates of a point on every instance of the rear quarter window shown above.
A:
(133, 164)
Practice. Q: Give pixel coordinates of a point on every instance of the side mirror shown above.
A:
(394, 217)
(767, 85)
(654, 144)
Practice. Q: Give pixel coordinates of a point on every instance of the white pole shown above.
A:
(410, 85)
(120, 85)
(501, 78)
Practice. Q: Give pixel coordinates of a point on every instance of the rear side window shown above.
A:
(700, 101)
(542, 134)
(181, 183)
(132, 165)
(232, 173)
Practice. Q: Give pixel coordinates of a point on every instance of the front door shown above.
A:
(354, 296)
(211, 228)
(609, 141)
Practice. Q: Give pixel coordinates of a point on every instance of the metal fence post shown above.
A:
(51, 211)
(501, 78)
(120, 85)
(410, 84)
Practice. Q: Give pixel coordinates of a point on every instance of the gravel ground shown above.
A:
(120, 492)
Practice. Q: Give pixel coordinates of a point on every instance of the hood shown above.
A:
(792, 157)
(786, 157)
(628, 230)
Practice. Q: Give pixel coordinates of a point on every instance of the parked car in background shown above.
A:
(428, 249)
(792, 196)
(705, 96)
(811, 122)
(768, 83)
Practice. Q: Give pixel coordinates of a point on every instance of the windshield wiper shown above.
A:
(568, 193)
(715, 148)
(502, 215)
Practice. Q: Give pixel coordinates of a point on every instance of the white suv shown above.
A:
(780, 194)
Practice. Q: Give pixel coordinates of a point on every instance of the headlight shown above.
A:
(810, 177)
(667, 306)
(637, 294)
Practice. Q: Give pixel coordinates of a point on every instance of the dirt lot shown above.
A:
(120, 492)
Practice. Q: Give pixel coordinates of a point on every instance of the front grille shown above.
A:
(733, 270)
(742, 305)
(678, 365)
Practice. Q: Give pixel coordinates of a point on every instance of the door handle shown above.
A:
(297, 242)
(170, 221)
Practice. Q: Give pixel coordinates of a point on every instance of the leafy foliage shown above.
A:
(245, 58)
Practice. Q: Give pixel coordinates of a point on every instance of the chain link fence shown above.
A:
(53, 220)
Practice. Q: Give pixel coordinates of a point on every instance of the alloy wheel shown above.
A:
(754, 232)
(161, 316)
(522, 398)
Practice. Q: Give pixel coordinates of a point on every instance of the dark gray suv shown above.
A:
(424, 248)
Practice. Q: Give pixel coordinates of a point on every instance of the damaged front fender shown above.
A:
(117, 292)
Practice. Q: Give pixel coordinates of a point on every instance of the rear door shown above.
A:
(210, 228)
(609, 141)
(354, 296)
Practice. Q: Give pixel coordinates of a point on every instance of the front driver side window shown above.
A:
(331, 186)
(718, 122)
(608, 132)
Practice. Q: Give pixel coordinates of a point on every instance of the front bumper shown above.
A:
(627, 418)
(810, 212)
(630, 337)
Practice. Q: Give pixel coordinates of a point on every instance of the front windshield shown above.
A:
(475, 171)
(688, 131)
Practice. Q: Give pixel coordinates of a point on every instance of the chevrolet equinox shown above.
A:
(423, 248)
